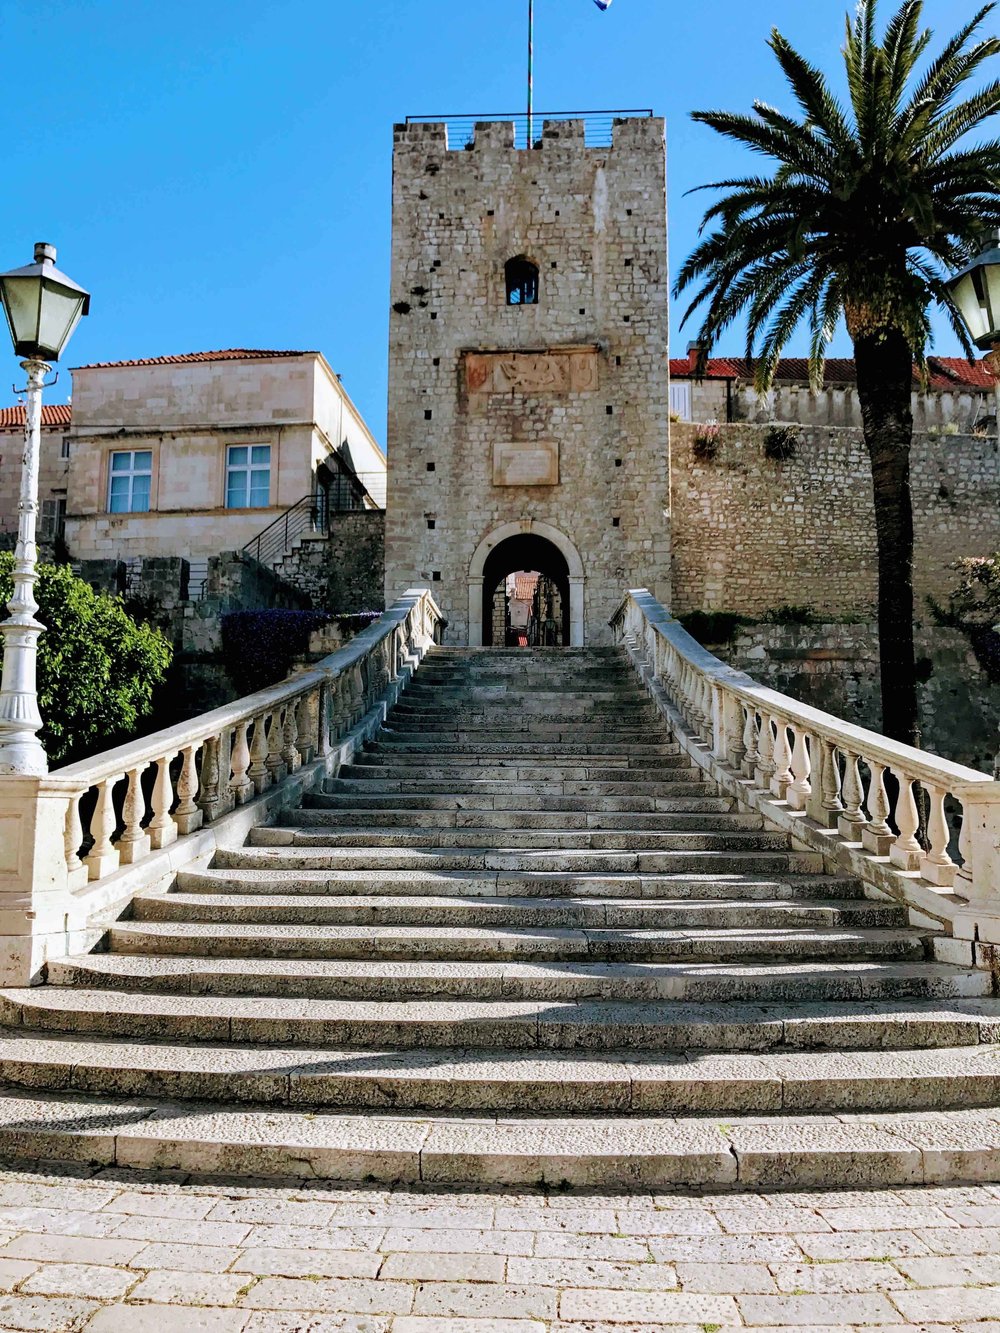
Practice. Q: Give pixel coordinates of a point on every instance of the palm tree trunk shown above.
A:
(885, 378)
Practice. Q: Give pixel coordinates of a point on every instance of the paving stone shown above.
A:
(261, 1237)
(482, 1300)
(861, 1245)
(572, 1245)
(849, 1276)
(337, 1296)
(183, 1206)
(725, 1279)
(167, 1319)
(45, 1314)
(436, 1324)
(938, 1271)
(948, 1304)
(272, 1321)
(954, 1240)
(669, 1307)
(186, 1258)
(91, 1280)
(189, 1288)
(591, 1273)
(72, 1249)
(815, 1310)
(446, 1241)
(181, 1231)
(308, 1263)
(416, 1267)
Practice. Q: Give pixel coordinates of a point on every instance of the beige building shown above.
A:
(52, 475)
(196, 454)
(528, 385)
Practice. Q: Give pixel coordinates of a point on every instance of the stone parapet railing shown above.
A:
(77, 843)
(882, 810)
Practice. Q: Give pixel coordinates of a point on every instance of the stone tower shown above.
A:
(528, 372)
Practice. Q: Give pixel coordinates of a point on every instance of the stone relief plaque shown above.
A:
(556, 372)
(526, 463)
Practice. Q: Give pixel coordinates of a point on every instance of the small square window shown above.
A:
(610, 410)
(616, 522)
(431, 467)
(618, 462)
(431, 523)
(436, 576)
(437, 361)
(427, 414)
(64, 452)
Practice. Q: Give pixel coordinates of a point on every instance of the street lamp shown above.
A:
(43, 307)
(975, 293)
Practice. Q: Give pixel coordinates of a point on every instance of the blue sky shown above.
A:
(218, 174)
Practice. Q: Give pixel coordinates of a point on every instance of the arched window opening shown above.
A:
(522, 281)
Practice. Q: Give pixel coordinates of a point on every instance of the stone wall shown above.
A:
(751, 534)
(835, 667)
(343, 571)
(504, 418)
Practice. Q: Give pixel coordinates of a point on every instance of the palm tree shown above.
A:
(869, 206)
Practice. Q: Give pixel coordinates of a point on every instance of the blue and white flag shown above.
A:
(603, 4)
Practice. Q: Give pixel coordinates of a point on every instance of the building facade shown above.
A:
(196, 454)
(528, 388)
(53, 472)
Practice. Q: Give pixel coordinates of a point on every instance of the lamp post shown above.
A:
(975, 293)
(43, 307)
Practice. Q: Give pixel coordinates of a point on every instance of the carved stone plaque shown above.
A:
(526, 463)
(556, 372)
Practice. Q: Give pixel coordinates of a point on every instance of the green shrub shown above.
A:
(789, 615)
(98, 668)
(780, 443)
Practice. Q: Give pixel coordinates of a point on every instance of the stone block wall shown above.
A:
(342, 571)
(504, 417)
(751, 534)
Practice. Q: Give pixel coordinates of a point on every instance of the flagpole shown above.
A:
(531, 70)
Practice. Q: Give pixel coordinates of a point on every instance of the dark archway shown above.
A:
(524, 552)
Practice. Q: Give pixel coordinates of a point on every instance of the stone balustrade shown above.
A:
(888, 812)
(68, 839)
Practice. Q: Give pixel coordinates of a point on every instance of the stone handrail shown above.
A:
(63, 834)
(831, 771)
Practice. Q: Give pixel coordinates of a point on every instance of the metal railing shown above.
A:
(598, 125)
(314, 514)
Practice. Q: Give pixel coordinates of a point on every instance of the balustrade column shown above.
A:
(800, 788)
(275, 740)
(877, 835)
(750, 741)
(290, 733)
(732, 727)
(134, 844)
(162, 830)
(852, 821)
(906, 852)
(258, 771)
(240, 784)
(782, 776)
(765, 753)
(103, 858)
(826, 806)
(323, 720)
(187, 816)
(209, 797)
(76, 871)
(936, 865)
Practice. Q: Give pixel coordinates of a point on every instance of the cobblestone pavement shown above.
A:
(114, 1250)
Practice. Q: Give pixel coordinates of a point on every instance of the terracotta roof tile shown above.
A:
(53, 415)
(946, 372)
(229, 354)
(524, 586)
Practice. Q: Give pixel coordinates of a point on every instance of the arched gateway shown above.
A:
(528, 545)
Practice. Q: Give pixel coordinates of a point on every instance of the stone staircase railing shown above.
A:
(76, 844)
(824, 780)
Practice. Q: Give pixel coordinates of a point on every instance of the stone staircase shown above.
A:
(520, 939)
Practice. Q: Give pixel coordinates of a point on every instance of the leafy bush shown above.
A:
(780, 443)
(97, 666)
(259, 647)
(713, 626)
(789, 615)
(706, 444)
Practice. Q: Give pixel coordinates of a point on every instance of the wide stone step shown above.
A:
(865, 990)
(374, 757)
(570, 733)
(585, 859)
(616, 914)
(465, 838)
(559, 820)
(437, 745)
(491, 884)
(235, 940)
(459, 775)
(679, 782)
(687, 796)
(542, 1082)
(755, 1152)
